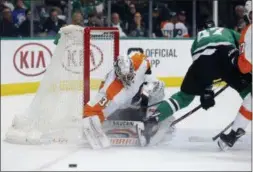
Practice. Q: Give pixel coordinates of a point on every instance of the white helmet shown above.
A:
(155, 90)
(248, 10)
(124, 70)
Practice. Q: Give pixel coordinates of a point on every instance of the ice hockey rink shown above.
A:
(181, 153)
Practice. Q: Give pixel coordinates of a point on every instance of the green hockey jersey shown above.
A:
(207, 40)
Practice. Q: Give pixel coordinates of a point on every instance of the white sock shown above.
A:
(240, 122)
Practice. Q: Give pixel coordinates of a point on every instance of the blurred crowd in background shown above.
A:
(170, 18)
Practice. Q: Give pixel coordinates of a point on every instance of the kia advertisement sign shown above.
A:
(24, 61)
(96, 58)
(32, 59)
(73, 59)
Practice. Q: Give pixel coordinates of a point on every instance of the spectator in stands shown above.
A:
(240, 22)
(7, 27)
(171, 28)
(77, 18)
(181, 16)
(94, 21)
(60, 15)
(132, 9)
(62, 4)
(122, 8)
(167, 25)
(137, 29)
(181, 23)
(88, 8)
(7, 3)
(24, 28)
(130, 16)
(53, 23)
(156, 18)
(116, 23)
(18, 13)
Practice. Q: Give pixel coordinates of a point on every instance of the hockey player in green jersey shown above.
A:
(212, 52)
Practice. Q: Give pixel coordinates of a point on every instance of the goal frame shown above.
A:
(87, 45)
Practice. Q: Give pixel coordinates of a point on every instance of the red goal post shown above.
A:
(88, 31)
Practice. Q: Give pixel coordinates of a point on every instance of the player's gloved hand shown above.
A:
(207, 99)
(233, 56)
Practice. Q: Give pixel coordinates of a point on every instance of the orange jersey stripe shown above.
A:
(114, 88)
(137, 60)
(247, 114)
(244, 65)
(242, 38)
(94, 110)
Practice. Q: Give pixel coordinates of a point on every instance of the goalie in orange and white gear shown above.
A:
(243, 62)
(121, 85)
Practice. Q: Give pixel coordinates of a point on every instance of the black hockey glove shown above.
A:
(207, 99)
(233, 56)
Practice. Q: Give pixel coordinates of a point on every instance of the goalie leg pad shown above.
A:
(125, 133)
(92, 129)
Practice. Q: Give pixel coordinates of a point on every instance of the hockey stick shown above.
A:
(203, 139)
(196, 108)
(225, 129)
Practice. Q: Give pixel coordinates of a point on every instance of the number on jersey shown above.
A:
(103, 102)
(209, 32)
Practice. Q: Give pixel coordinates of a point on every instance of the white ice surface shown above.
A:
(178, 154)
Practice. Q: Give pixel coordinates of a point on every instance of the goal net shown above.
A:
(81, 59)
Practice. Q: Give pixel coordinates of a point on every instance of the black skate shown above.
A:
(230, 139)
(151, 127)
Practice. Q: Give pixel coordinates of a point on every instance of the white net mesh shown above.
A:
(55, 114)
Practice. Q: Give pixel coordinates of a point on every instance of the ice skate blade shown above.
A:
(222, 145)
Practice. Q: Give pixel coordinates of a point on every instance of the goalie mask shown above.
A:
(124, 70)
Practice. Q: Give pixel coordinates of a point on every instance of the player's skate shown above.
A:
(151, 127)
(155, 132)
(228, 140)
